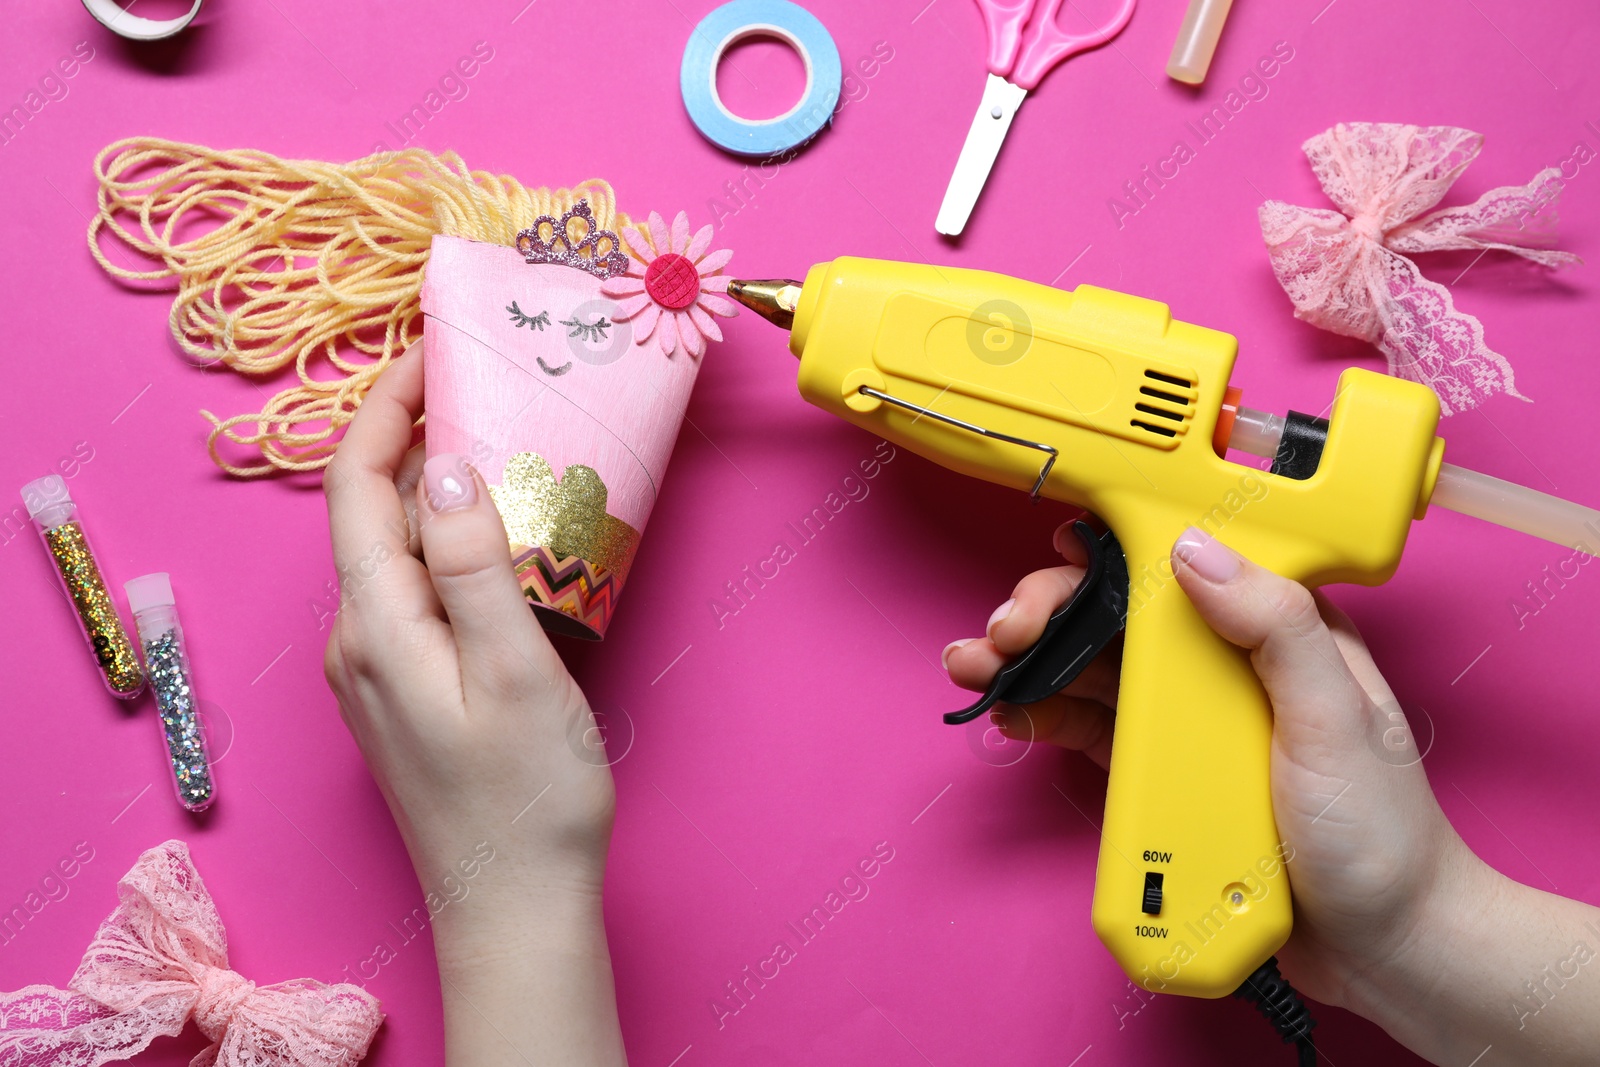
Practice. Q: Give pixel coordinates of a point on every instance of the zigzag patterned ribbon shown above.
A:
(585, 592)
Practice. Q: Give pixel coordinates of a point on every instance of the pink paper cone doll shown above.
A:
(561, 369)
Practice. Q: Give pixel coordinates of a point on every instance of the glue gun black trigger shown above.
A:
(1095, 613)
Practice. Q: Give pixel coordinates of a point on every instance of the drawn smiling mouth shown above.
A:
(554, 372)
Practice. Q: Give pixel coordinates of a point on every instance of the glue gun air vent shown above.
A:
(1166, 405)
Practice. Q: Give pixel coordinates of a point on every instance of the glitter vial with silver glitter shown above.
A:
(166, 661)
(55, 516)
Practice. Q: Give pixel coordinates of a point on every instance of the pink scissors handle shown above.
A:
(1003, 19)
(1048, 44)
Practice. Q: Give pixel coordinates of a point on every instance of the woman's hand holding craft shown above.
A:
(475, 733)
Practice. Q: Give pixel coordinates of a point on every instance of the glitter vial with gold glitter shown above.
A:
(166, 661)
(56, 517)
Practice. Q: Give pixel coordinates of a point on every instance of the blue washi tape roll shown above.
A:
(733, 22)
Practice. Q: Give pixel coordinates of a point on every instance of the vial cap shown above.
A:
(149, 591)
(48, 501)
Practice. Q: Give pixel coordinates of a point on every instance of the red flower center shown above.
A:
(672, 281)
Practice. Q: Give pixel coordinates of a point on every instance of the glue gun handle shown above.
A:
(1188, 801)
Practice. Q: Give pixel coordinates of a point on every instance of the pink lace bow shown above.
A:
(161, 958)
(1349, 273)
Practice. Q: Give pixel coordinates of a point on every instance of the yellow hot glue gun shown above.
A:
(1103, 401)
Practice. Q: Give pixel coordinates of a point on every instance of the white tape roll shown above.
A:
(134, 27)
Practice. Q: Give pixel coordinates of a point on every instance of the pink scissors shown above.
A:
(1018, 58)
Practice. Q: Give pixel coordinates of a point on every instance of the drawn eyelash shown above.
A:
(532, 322)
(587, 331)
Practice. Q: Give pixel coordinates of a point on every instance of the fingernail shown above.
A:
(1206, 556)
(944, 657)
(449, 483)
(999, 614)
(1059, 537)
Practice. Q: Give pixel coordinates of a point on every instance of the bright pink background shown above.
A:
(771, 753)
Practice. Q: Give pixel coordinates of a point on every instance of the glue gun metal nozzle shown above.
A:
(774, 299)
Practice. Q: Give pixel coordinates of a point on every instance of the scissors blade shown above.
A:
(1001, 100)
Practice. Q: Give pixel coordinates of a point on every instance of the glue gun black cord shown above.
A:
(1276, 999)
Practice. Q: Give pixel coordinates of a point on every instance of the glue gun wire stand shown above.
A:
(1260, 433)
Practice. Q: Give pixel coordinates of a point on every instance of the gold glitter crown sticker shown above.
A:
(570, 554)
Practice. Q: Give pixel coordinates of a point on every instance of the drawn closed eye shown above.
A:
(532, 322)
(587, 331)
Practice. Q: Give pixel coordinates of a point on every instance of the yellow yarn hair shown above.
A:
(300, 259)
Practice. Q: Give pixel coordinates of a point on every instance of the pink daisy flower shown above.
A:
(673, 287)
